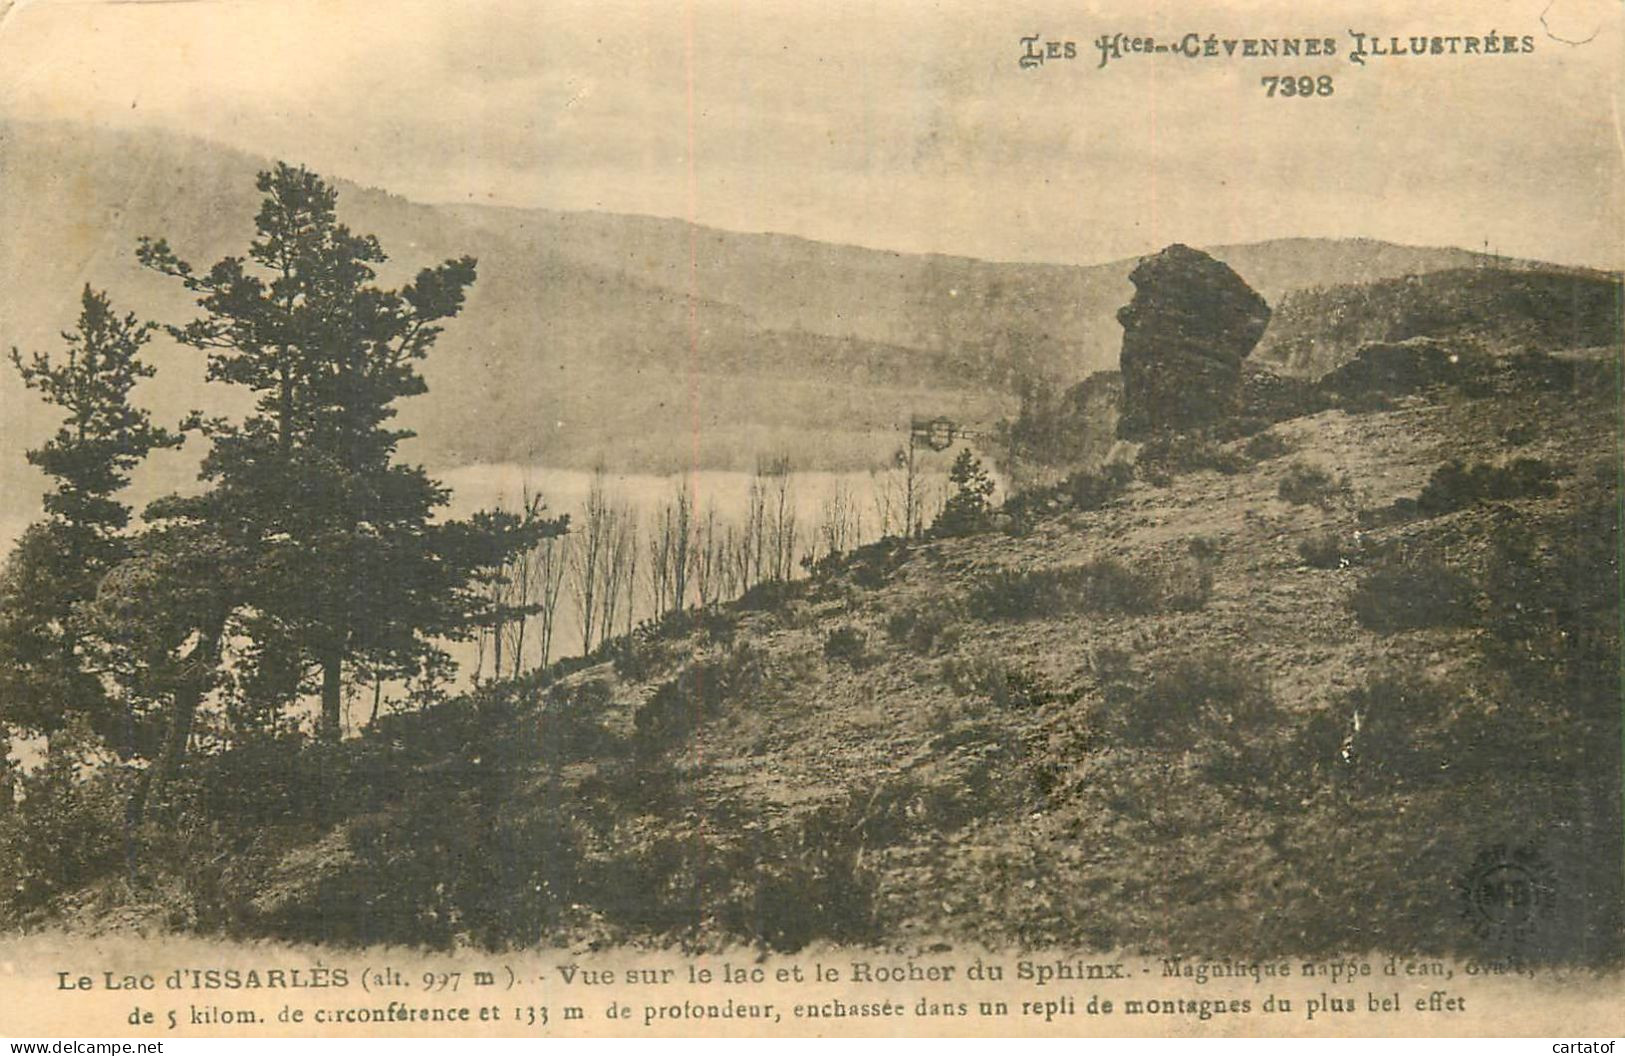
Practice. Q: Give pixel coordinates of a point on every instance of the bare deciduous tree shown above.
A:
(750, 550)
(592, 540)
(552, 559)
(780, 520)
(672, 556)
(883, 495)
(631, 572)
(618, 558)
(710, 558)
(840, 525)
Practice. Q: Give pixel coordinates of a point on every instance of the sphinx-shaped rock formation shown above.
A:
(1191, 323)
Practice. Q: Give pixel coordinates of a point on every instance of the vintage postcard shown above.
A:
(696, 518)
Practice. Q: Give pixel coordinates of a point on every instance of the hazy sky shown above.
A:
(903, 125)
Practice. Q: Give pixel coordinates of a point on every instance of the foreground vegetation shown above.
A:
(1258, 703)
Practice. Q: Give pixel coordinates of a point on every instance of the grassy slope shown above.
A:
(1018, 816)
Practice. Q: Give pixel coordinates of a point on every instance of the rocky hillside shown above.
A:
(1281, 702)
(1282, 695)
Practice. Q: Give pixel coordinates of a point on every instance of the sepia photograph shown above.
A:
(796, 519)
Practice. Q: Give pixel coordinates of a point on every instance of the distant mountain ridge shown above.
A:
(639, 341)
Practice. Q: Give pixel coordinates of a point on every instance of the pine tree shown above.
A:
(342, 563)
(45, 672)
(967, 508)
(159, 622)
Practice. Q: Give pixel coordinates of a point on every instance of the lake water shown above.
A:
(841, 509)
(869, 504)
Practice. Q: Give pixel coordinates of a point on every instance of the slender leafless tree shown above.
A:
(631, 573)
(891, 501)
(587, 557)
(840, 526)
(617, 557)
(709, 558)
(734, 564)
(552, 561)
(671, 550)
(751, 551)
(660, 535)
(780, 520)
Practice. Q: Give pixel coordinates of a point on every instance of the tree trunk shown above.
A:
(181, 716)
(196, 669)
(332, 694)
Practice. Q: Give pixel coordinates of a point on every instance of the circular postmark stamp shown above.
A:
(1508, 892)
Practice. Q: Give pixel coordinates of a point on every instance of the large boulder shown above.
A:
(1191, 323)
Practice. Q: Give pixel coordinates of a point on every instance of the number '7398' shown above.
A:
(1302, 87)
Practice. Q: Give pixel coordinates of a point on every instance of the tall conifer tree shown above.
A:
(345, 563)
(46, 673)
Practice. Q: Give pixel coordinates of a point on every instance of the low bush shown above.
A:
(1108, 585)
(768, 595)
(437, 871)
(1367, 401)
(682, 703)
(780, 888)
(1093, 489)
(1411, 595)
(871, 565)
(1398, 729)
(1184, 586)
(1323, 549)
(1216, 713)
(641, 656)
(68, 831)
(1553, 593)
(572, 724)
(1002, 684)
(1011, 594)
(1454, 486)
(1534, 368)
(716, 623)
(1193, 698)
(1315, 752)
(1403, 728)
(1206, 549)
(1103, 585)
(1174, 454)
(1084, 490)
(923, 628)
(796, 616)
(1238, 427)
(1115, 673)
(849, 645)
(899, 807)
(1518, 434)
(1267, 446)
(719, 625)
(1304, 484)
(812, 886)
